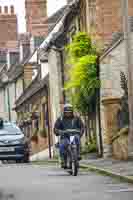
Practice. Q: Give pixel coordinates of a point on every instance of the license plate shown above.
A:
(6, 149)
(72, 138)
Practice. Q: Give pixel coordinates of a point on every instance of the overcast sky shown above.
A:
(53, 5)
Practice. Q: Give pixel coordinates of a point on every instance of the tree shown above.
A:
(83, 81)
(83, 78)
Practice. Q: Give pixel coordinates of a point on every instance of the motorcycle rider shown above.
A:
(66, 121)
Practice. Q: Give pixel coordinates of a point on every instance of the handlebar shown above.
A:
(69, 131)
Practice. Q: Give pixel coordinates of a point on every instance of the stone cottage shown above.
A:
(35, 98)
(114, 99)
(54, 45)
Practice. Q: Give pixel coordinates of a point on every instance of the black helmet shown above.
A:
(68, 108)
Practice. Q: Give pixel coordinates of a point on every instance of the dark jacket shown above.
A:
(64, 123)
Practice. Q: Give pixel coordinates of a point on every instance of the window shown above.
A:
(10, 129)
(3, 57)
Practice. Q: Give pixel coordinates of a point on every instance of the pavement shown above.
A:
(115, 168)
(32, 182)
(43, 155)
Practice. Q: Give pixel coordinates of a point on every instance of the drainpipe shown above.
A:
(8, 99)
(48, 109)
(99, 111)
(49, 136)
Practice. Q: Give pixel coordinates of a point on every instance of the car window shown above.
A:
(11, 129)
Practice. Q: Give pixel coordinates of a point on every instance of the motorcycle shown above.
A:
(71, 151)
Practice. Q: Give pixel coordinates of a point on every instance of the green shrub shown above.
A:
(83, 80)
(89, 147)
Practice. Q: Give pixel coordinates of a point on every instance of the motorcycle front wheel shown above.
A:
(75, 162)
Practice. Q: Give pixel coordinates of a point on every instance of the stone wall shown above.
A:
(40, 146)
(112, 63)
(120, 145)
(103, 18)
(83, 15)
(19, 87)
(12, 101)
(28, 73)
(36, 14)
(2, 104)
(109, 18)
(55, 84)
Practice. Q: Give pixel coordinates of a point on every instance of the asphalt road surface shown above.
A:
(34, 182)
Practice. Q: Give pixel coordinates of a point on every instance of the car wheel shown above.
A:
(4, 161)
(26, 159)
(18, 161)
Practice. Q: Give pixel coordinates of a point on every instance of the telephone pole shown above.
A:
(128, 53)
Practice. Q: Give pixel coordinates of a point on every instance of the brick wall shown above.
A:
(8, 25)
(36, 14)
(83, 17)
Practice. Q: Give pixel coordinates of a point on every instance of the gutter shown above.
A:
(57, 30)
(107, 51)
(99, 110)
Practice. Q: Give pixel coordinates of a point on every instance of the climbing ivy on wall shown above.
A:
(83, 80)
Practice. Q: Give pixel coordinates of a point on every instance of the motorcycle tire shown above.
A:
(75, 162)
(75, 168)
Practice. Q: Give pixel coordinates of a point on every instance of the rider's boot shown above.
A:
(63, 164)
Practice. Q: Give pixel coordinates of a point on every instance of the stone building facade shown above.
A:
(102, 18)
(36, 14)
(32, 110)
(35, 96)
(61, 35)
(112, 63)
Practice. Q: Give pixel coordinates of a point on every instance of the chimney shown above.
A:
(5, 10)
(12, 10)
(32, 44)
(12, 58)
(69, 1)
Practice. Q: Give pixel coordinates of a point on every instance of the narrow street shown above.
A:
(34, 182)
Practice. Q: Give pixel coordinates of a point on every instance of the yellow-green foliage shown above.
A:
(83, 73)
(80, 46)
